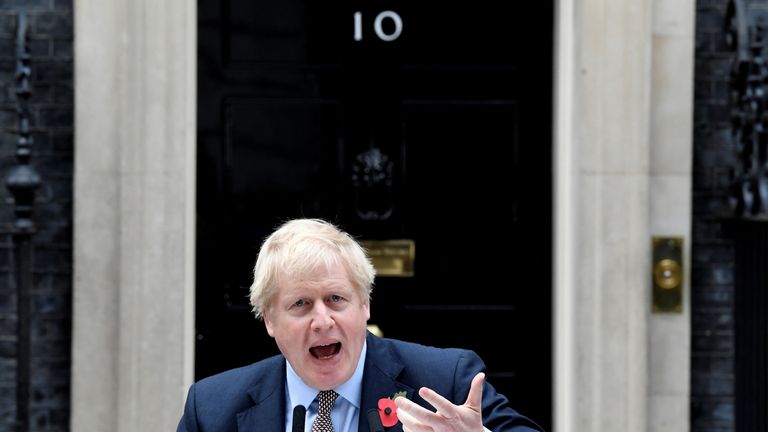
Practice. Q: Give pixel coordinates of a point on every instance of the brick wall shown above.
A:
(712, 278)
(52, 124)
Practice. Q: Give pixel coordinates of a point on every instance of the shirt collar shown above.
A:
(301, 394)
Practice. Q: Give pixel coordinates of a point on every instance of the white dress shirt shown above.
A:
(346, 411)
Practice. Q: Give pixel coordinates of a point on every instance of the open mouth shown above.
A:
(323, 352)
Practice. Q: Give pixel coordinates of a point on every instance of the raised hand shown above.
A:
(448, 417)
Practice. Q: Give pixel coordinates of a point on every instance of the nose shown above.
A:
(322, 319)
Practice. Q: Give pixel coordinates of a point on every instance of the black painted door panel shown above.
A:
(441, 135)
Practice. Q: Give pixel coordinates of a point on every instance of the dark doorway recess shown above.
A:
(441, 135)
(750, 323)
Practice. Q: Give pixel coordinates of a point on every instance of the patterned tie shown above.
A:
(325, 400)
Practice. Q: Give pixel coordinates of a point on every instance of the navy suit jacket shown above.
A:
(252, 398)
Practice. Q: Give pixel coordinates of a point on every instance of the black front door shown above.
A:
(419, 121)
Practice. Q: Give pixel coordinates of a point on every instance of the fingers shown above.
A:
(448, 417)
(448, 409)
(443, 406)
(475, 396)
(409, 422)
(411, 413)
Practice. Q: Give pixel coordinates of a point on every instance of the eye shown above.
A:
(298, 304)
(336, 298)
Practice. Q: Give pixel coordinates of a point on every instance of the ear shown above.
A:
(367, 309)
(268, 322)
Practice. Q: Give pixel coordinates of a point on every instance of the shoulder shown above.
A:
(414, 352)
(235, 383)
(421, 365)
(213, 403)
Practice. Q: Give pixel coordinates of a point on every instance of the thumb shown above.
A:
(475, 396)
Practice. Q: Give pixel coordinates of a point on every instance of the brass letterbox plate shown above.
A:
(391, 257)
(667, 274)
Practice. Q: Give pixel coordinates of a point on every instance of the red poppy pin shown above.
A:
(388, 409)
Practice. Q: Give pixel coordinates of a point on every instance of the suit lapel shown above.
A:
(268, 395)
(382, 369)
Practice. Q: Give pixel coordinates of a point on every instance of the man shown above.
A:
(312, 285)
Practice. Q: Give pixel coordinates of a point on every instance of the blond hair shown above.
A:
(302, 247)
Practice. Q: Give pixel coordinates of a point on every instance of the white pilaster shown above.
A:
(134, 213)
(602, 256)
(669, 347)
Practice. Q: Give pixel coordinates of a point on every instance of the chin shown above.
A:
(328, 382)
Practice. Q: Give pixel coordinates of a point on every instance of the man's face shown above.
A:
(319, 324)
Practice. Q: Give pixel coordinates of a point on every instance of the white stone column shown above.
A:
(132, 351)
(602, 254)
(669, 347)
(623, 153)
